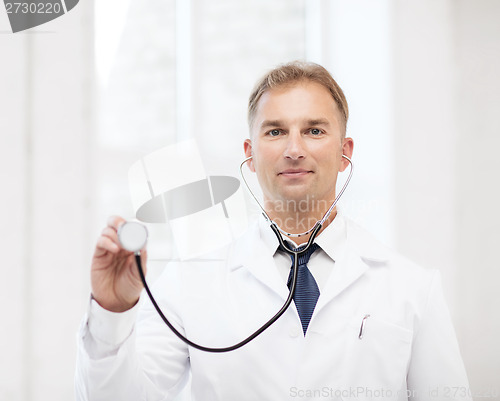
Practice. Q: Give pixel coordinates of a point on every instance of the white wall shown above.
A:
(446, 63)
(45, 135)
(477, 191)
(15, 173)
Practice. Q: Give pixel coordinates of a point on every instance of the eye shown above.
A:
(274, 132)
(315, 131)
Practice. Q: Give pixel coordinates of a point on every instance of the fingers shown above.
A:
(108, 241)
(115, 221)
(111, 234)
(107, 244)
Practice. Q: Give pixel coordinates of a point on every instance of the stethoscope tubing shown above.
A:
(266, 325)
(296, 253)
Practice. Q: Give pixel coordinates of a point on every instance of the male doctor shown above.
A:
(365, 323)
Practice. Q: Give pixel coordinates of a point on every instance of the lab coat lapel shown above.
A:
(360, 252)
(251, 253)
(349, 267)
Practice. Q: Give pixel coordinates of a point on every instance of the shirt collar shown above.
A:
(331, 240)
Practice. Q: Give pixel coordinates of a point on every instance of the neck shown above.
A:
(295, 221)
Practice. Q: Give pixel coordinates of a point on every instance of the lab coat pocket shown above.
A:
(379, 359)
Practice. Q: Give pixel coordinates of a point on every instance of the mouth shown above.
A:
(293, 172)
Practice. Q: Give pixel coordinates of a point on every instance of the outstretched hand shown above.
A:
(116, 284)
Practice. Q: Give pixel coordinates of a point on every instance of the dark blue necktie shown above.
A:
(306, 291)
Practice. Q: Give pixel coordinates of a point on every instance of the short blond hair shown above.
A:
(293, 72)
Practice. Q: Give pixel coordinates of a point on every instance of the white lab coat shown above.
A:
(408, 346)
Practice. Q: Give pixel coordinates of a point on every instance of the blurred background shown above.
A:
(88, 94)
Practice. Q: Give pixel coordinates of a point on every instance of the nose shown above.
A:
(295, 147)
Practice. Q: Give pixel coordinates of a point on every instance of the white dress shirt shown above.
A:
(322, 261)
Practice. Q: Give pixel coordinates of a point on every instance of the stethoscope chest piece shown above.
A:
(133, 236)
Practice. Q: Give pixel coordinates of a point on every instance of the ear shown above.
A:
(247, 145)
(347, 149)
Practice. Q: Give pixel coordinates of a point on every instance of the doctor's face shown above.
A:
(297, 144)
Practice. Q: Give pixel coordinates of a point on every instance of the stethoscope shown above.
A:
(134, 235)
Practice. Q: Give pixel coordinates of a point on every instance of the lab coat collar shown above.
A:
(352, 248)
(366, 245)
(333, 238)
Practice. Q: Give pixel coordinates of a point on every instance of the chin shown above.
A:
(294, 196)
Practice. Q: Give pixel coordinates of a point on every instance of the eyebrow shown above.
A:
(319, 121)
(279, 123)
(271, 123)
